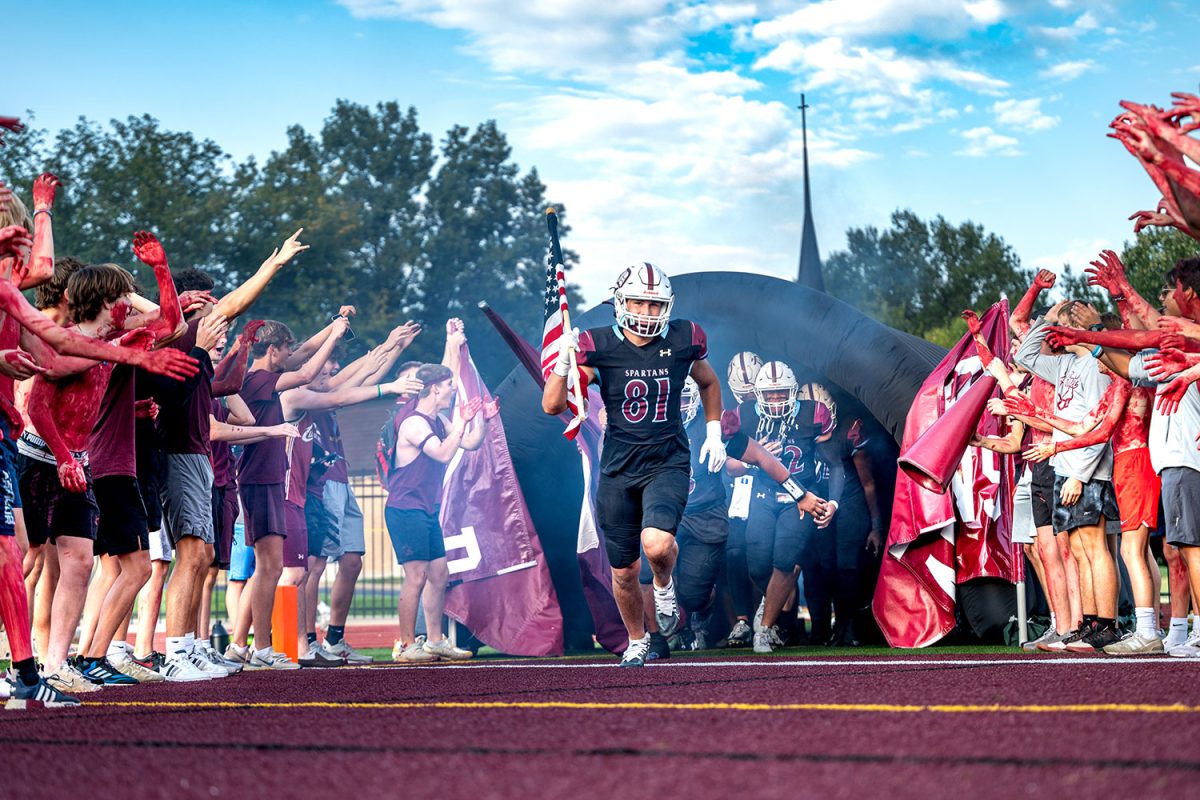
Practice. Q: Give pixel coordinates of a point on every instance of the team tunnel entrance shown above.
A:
(873, 372)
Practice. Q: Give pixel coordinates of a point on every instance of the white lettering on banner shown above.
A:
(466, 540)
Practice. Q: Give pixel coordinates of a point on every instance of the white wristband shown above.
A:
(562, 367)
(794, 490)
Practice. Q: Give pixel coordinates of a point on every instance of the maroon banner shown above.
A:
(937, 541)
(502, 589)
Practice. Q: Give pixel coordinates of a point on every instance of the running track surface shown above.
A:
(921, 726)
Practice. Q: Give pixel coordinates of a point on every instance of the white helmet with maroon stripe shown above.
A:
(689, 400)
(825, 411)
(773, 379)
(643, 282)
(743, 369)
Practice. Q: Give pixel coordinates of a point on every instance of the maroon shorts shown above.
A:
(295, 545)
(225, 513)
(263, 504)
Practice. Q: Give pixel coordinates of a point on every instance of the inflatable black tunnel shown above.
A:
(873, 371)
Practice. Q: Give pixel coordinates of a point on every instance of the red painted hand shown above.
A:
(148, 250)
(1170, 397)
(491, 409)
(731, 423)
(10, 123)
(1059, 337)
(146, 409)
(194, 299)
(13, 241)
(72, 477)
(470, 409)
(1108, 272)
(44, 187)
(1150, 219)
(1169, 361)
(250, 332)
(1180, 325)
(974, 326)
(1044, 279)
(169, 362)
(1017, 403)
(137, 339)
(18, 365)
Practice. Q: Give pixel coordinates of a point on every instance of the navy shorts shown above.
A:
(625, 508)
(10, 496)
(416, 535)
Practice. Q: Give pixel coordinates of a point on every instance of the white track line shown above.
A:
(817, 662)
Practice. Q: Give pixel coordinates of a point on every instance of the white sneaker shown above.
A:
(347, 653)
(635, 654)
(209, 652)
(443, 649)
(135, 670)
(178, 668)
(200, 661)
(766, 640)
(415, 653)
(273, 660)
(758, 615)
(243, 655)
(1136, 644)
(318, 656)
(666, 610)
(1189, 649)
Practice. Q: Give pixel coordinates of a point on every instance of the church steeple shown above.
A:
(809, 273)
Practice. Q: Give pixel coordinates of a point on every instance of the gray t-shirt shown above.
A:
(1172, 438)
(1078, 387)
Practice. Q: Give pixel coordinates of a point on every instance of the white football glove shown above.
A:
(567, 343)
(713, 451)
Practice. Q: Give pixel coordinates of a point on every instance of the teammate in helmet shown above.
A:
(797, 431)
(743, 598)
(641, 364)
(704, 529)
(743, 368)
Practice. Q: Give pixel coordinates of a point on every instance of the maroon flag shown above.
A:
(937, 541)
(595, 572)
(502, 590)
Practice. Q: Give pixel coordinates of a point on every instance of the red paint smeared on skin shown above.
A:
(14, 607)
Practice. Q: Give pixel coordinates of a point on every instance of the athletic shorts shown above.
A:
(122, 528)
(776, 538)
(1042, 495)
(150, 468)
(1023, 529)
(225, 513)
(1097, 500)
(348, 535)
(1138, 488)
(625, 509)
(241, 556)
(262, 510)
(295, 542)
(52, 510)
(1181, 505)
(10, 495)
(416, 535)
(186, 494)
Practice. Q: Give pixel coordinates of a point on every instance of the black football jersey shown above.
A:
(808, 462)
(641, 388)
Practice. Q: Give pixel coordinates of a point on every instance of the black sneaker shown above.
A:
(101, 670)
(1078, 641)
(659, 648)
(1103, 636)
(80, 663)
(152, 662)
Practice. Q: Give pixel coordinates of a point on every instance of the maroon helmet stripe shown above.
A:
(649, 277)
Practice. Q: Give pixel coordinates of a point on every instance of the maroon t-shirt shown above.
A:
(328, 436)
(222, 455)
(300, 453)
(263, 462)
(111, 448)
(184, 406)
(418, 485)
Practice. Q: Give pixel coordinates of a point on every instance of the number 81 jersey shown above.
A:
(641, 388)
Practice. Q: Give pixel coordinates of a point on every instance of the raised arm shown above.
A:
(1018, 320)
(1108, 272)
(300, 399)
(312, 344)
(456, 337)
(308, 373)
(168, 324)
(238, 434)
(234, 304)
(41, 260)
(1029, 354)
(230, 372)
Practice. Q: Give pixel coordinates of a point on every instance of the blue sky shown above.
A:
(668, 128)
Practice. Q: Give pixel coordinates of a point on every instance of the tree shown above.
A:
(917, 276)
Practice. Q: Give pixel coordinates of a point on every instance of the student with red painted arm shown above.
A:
(1018, 320)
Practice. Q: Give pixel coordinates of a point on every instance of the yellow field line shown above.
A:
(887, 708)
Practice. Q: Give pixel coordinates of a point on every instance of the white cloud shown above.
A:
(1068, 70)
(1083, 23)
(851, 18)
(983, 141)
(1024, 114)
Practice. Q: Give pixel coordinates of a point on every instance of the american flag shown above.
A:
(552, 331)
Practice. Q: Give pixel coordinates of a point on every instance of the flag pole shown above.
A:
(560, 270)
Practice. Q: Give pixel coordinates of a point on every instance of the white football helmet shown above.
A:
(825, 414)
(643, 282)
(775, 377)
(743, 368)
(689, 400)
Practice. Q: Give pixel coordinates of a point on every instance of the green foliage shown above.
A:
(396, 226)
(917, 276)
